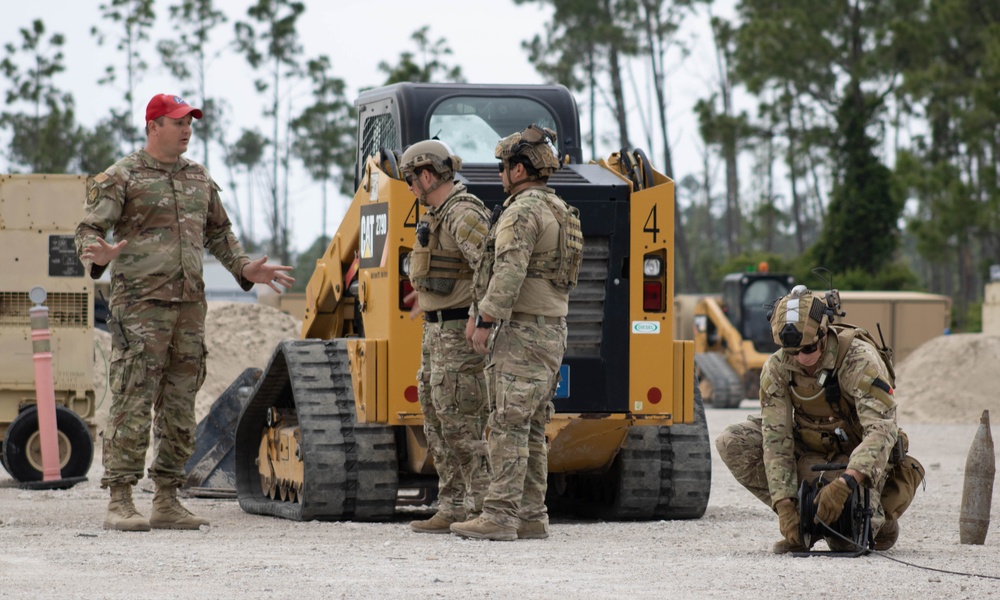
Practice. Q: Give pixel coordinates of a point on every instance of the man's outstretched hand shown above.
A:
(258, 271)
(102, 252)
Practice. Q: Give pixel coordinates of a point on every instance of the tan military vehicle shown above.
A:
(38, 217)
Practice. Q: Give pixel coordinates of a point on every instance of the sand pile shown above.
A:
(950, 379)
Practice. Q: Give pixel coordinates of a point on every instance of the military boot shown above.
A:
(533, 530)
(483, 529)
(436, 524)
(169, 513)
(887, 535)
(122, 515)
(784, 547)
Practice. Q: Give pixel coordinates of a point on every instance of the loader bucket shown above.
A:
(211, 470)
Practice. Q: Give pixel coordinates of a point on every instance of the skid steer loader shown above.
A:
(332, 429)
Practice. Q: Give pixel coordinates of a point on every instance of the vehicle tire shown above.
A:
(22, 456)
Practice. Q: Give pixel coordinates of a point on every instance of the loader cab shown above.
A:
(471, 119)
(746, 298)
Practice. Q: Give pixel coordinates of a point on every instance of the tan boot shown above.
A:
(483, 529)
(533, 530)
(122, 515)
(784, 547)
(887, 535)
(169, 513)
(435, 524)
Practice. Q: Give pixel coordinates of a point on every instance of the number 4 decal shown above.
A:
(413, 216)
(651, 228)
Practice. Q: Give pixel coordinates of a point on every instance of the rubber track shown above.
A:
(350, 469)
(727, 387)
(664, 472)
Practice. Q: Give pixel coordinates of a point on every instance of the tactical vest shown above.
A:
(433, 269)
(561, 266)
(825, 418)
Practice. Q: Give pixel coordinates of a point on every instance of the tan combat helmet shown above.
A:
(534, 145)
(803, 317)
(433, 154)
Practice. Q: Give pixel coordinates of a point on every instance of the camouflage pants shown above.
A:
(159, 373)
(741, 447)
(522, 376)
(452, 392)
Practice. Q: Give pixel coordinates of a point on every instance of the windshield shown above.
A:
(472, 126)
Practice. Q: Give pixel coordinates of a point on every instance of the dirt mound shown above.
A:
(950, 379)
(238, 335)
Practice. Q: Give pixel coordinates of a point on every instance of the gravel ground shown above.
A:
(57, 549)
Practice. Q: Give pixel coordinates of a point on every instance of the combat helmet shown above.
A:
(433, 154)
(534, 145)
(802, 318)
(430, 153)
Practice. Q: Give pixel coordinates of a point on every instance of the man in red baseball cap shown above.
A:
(168, 105)
(165, 212)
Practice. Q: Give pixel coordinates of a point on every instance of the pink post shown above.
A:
(45, 395)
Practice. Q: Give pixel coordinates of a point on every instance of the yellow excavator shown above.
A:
(332, 428)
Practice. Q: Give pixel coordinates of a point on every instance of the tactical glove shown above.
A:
(788, 522)
(831, 499)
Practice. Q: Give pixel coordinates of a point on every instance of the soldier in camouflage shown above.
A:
(826, 397)
(522, 298)
(451, 384)
(165, 211)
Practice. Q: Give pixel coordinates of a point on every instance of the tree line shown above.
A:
(871, 148)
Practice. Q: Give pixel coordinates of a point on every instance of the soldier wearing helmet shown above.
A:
(530, 263)
(826, 397)
(433, 156)
(451, 385)
(530, 150)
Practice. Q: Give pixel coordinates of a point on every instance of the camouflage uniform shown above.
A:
(452, 386)
(770, 457)
(169, 214)
(526, 350)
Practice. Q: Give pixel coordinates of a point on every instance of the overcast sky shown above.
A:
(484, 36)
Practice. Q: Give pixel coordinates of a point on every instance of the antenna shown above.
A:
(818, 271)
(881, 339)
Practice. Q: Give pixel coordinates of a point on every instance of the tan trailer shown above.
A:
(908, 319)
(729, 355)
(38, 218)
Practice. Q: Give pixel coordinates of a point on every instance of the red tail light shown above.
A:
(652, 296)
(405, 287)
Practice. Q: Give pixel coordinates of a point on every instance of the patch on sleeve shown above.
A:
(100, 177)
(885, 387)
(879, 389)
(472, 229)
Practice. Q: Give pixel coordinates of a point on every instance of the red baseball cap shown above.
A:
(170, 106)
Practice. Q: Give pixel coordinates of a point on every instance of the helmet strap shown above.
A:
(513, 185)
(422, 196)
